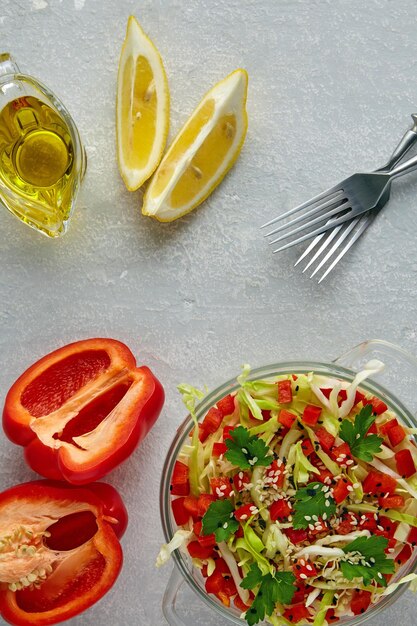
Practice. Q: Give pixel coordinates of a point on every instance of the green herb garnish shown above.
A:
(362, 446)
(366, 559)
(314, 499)
(219, 519)
(273, 588)
(246, 450)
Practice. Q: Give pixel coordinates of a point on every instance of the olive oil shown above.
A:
(36, 164)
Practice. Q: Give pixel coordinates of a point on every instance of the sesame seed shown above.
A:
(303, 576)
(244, 450)
(225, 525)
(311, 526)
(223, 488)
(243, 517)
(380, 527)
(324, 516)
(356, 485)
(350, 462)
(315, 518)
(349, 488)
(307, 518)
(316, 487)
(240, 475)
(327, 503)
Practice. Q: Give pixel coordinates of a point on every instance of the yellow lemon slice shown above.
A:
(202, 153)
(142, 107)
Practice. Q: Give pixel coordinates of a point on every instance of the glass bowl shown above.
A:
(401, 368)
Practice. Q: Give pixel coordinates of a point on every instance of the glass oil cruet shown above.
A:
(42, 160)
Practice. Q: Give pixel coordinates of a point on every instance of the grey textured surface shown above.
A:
(332, 85)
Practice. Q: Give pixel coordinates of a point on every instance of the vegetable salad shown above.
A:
(296, 497)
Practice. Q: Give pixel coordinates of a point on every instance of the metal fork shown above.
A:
(350, 198)
(349, 232)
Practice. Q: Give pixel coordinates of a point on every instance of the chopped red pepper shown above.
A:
(180, 484)
(197, 551)
(296, 536)
(341, 454)
(284, 391)
(391, 502)
(412, 536)
(396, 435)
(286, 418)
(219, 448)
(181, 515)
(342, 489)
(360, 601)
(240, 480)
(384, 428)
(296, 613)
(367, 521)
(212, 420)
(74, 534)
(279, 510)
(377, 483)
(226, 405)
(405, 463)
(378, 406)
(404, 555)
(221, 487)
(191, 505)
(303, 568)
(326, 439)
(204, 501)
(311, 414)
(245, 512)
(226, 432)
(82, 410)
(388, 525)
(307, 447)
(331, 617)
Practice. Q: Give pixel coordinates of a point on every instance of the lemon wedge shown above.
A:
(142, 107)
(202, 153)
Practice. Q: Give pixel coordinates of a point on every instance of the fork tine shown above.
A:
(332, 234)
(310, 248)
(317, 231)
(325, 205)
(312, 201)
(366, 219)
(339, 209)
(351, 225)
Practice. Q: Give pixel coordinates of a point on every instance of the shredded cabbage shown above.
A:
(325, 604)
(291, 437)
(302, 465)
(167, 549)
(234, 570)
(370, 368)
(189, 396)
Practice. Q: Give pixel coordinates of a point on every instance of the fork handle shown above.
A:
(404, 168)
(406, 143)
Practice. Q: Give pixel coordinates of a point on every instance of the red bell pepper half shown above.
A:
(82, 410)
(60, 549)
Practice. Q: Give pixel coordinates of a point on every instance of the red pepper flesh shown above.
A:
(72, 538)
(81, 410)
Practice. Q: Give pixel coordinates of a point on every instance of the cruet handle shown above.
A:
(400, 373)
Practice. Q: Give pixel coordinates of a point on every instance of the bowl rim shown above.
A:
(182, 561)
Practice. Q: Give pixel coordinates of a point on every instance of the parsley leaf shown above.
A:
(273, 588)
(361, 445)
(219, 519)
(366, 559)
(311, 500)
(246, 450)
